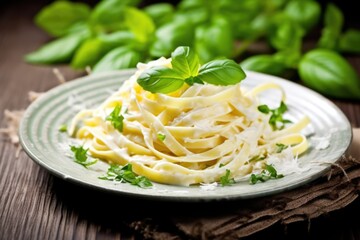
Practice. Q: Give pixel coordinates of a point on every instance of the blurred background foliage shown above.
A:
(264, 36)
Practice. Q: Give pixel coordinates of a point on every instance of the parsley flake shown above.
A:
(276, 120)
(126, 174)
(80, 155)
(226, 180)
(268, 173)
(63, 128)
(280, 147)
(161, 136)
(116, 119)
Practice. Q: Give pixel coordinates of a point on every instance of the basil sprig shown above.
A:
(186, 69)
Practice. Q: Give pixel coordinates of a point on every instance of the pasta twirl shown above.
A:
(193, 135)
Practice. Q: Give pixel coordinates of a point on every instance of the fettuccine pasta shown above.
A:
(191, 136)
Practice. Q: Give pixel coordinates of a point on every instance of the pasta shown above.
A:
(191, 136)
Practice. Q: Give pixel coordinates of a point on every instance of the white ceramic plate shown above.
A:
(42, 141)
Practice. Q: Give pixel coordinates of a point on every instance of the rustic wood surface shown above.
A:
(36, 205)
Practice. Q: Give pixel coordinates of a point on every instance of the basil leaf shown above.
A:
(263, 63)
(349, 41)
(221, 72)
(214, 40)
(58, 17)
(121, 38)
(139, 23)
(333, 17)
(88, 54)
(60, 50)
(194, 11)
(118, 58)
(160, 80)
(244, 11)
(306, 13)
(185, 62)
(169, 36)
(330, 74)
(288, 35)
(289, 57)
(108, 15)
(333, 22)
(161, 13)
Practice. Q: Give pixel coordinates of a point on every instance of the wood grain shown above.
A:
(37, 205)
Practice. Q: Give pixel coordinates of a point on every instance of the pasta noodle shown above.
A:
(191, 136)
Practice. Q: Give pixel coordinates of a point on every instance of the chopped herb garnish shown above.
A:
(280, 147)
(276, 120)
(161, 136)
(221, 165)
(257, 158)
(116, 119)
(268, 173)
(80, 155)
(226, 180)
(126, 174)
(63, 128)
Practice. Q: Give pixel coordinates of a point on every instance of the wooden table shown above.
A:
(36, 205)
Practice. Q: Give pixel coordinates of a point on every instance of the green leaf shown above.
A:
(264, 109)
(193, 10)
(161, 136)
(116, 119)
(88, 54)
(238, 12)
(108, 15)
(139, 23)
(330, 74)
(121, 38)
(160, 80)
(226, 180)
(214, 40)
(333, 23)
(94, 49)
(60, 50)
(126, 174)
(289, 58)
(288, 35)
(304, 12)
(170, 36)
(161, 13)
(58, 17)
(349, 41)
(268, 173)
(263, 63)
(276, 120)
(118, 58)
(280, 147)
(80, 155)
(185, 61)
(221, 72)
(63, 128)
(333, 17)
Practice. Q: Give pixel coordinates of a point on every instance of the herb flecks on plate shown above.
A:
(276, 120)
(268, 173)
(226, 180)
(126, 174)
(116, 119)
(80, 156)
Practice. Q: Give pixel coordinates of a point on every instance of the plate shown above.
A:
(329, 134)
